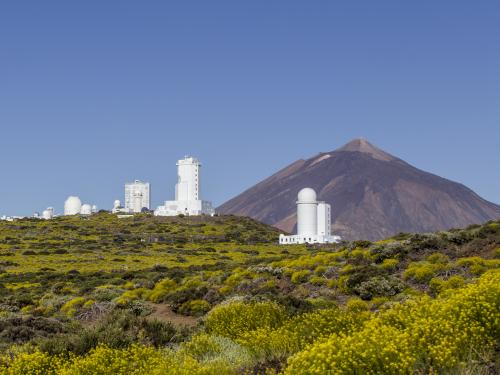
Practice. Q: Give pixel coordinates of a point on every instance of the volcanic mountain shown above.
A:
(372, 193)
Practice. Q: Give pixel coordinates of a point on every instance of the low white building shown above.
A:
(187, 192)
(118, 208)
(313, 221)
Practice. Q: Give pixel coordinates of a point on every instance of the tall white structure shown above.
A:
(188, 184)
(137, 196)
(313, 221)
(72, 206)
(187, 192)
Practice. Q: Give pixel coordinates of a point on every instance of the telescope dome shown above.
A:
(72, 206)
(307, 195)
(86, 209)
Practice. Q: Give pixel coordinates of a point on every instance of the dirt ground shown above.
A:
(165, 313)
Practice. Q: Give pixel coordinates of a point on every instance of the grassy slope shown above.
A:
(71, 275)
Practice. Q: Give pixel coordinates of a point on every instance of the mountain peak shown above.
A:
(362, 145)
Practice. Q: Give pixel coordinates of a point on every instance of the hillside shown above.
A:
(223, 297)
(373, 195)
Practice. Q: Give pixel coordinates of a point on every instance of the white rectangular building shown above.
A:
(324, 219)
(137, 196)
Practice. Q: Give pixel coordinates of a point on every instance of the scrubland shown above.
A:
(186, 295)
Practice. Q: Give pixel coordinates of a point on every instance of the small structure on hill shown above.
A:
(313, 221)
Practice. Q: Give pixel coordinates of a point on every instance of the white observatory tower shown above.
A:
(313, 221)
(307, 213)
(188, 185)
(187, 192)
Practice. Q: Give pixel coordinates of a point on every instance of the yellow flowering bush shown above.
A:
(422, 271)
(71, 307)
(298, 332)
(236, 318)
(36, 363)
(299, 277)
(389, 264)
(161, 289)
(422, 334)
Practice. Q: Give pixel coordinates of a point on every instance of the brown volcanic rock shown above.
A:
(373, 195)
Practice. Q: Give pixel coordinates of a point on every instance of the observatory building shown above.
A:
(48, 213)
(187, 192)
(73, 206)
(137, 196)
(313, 221)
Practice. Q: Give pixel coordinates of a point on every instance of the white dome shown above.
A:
(117, 203)
(86, 209)
(72, 206)
(307, 195)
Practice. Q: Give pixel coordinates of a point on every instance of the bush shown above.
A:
(379, 286)
(196, 307)
(422, 272)
(421, 336)
(162, 289)
(235, 319)
(300, 276)
(158, 333)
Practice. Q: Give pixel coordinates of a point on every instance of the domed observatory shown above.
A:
(72, 206)
(86, 210)
(48, 214)
(313, 221)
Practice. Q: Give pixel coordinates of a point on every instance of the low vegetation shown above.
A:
(185, 295)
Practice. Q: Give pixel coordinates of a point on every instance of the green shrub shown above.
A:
(379, 286)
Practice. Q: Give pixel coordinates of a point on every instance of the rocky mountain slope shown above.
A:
(373, 195)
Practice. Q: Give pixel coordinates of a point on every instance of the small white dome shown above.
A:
(117, 203)
(307, 195)
(47, 214)
(86, 209)
(72, 206)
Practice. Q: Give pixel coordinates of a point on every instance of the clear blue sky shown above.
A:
(95, 93)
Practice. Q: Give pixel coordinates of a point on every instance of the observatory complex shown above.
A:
(187, 192)
(313, 221)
